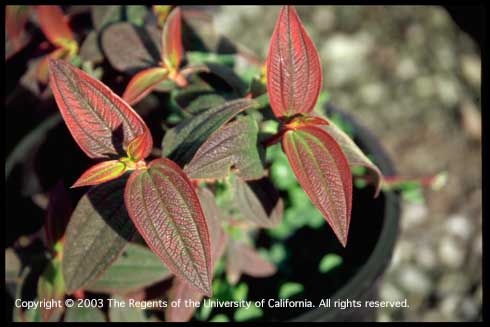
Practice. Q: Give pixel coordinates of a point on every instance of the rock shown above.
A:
(324, 19)
(449, 306)
(451, 252)
(346, 56)
(448, 90)
(413, 214)
(471, 120)
(426, 257)
(414, 280)
(471, 67)
(389, 292)
(372, 93)
(452, 283)
(459, 226)
(469, 309)
(406, 69)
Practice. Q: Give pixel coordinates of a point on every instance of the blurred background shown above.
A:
(413, 76)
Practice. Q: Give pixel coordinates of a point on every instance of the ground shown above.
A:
(413, 77)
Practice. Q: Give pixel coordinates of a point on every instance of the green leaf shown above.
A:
(51, 287)
(234, 146)
(98, 231)
(126, 313)
(198, 57)
(202, 103)
(136, 268)
(329, 262)
(220, 318)
(244, 314)
(289, 289)
(240, 292)
(84, 314)
(181, 142)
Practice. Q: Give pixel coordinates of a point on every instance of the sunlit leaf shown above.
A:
(323, 171)
(258, 202)
(182, 290)
(165, 208)
(143, 83)
(329, 262)
(137, 267)
(100, 121)
(181, 142)
(100, 173)
(355, 156)
(97, 233)
(290, 289)
(54, 24)
(234, 146)
(172, 49)
(294, 74)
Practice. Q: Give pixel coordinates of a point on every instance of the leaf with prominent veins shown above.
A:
(172, 49)
(165, 208)
(100, 121)
(294, 74)
(233, 145)
(100, 173)
(143, 83)
(324, 173)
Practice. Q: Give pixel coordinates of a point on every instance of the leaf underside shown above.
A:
(258, 202)
(294, 74)
(323, 171)
(243, 259)
(355, 156)
(98, 231)
(166, 211)
(100, 121)
(101, 172)
(181, 142)
(232, 146)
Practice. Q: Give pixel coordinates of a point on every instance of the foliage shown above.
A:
(179, 217)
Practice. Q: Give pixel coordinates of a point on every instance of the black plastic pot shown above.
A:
(372, 237)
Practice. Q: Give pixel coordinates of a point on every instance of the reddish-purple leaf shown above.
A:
(54, 24)
(165, 209)
(42, 71)
(137, 148)
(294, 73)
(100, 121)
(143, 83)
(243, 259)
(57, 215)
(15, 20)
(172, 49)
(100, 173)
(324, 173)
(182, 290)
(355, 156)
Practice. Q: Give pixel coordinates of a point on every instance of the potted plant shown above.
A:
(221, 188)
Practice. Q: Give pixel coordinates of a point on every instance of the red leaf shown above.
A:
(101, 172)
(172, 49)
(242, 258)
(143, 83)
(165, 209)
(42, 71)
(58, 214)
(54, 24)
(100, 121)
(15, 20)
(137, 147)
(323, 171)
(294, 74)
(182, 290)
